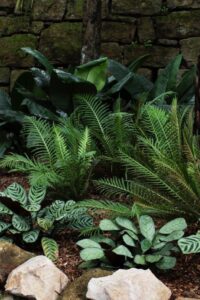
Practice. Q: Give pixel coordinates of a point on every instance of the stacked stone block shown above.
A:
(130, 28)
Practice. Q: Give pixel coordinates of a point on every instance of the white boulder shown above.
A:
(38, 278)
(132, 284)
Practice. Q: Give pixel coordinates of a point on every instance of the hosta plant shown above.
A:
(123, 244)
(25, 218)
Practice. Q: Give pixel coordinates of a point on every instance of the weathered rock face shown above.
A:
(62, 42)
(38, 278)
(145, 7)
(10, 53)
(130, 28)
(133, 284)
(178, 25)
(48, 9)
(77, 290)
(11, 257)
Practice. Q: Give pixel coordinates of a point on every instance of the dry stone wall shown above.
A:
(130, 28)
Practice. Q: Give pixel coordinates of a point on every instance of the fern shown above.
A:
(163, 173)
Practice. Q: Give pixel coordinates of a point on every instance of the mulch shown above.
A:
(183, 280)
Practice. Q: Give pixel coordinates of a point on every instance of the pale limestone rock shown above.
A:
(132, 284)
(38, 278)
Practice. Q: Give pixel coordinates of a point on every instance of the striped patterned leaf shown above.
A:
(36, 195)
(20, 223)
(16, 193)
(50, 248)
(4, 226)
(190, 244)
(31, 236)
(33, 207)
(5, 210)
(45, 223)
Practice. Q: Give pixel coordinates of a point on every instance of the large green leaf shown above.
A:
(87, 243)
(174, 225)
(94, 72)
(126, 223)
(36, 194)
(91, 254)
(108, 225)
(122, 250)
(40, 57)
(50, 248)
(166, 263)
(147, 227)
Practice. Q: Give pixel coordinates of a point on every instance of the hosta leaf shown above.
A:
(122, 250)
(91, 254)
(108, 225)
(87, 243)
(153, 258)
(50, 248)
(45, 223)
(167, 262)
(126, 223)
(190, 244)
(140, 259)
(132, 234)
(20, 223)
(31, 236)
(4, 226)
(174, 225)
(5, 210)
(36, 195)
(175, 235)
(16, 193)
(128, 240)
(145, 245)
(147, 227)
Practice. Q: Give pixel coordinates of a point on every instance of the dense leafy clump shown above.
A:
(63, 156)
(25, 218)
(123, 244)
(163, 173)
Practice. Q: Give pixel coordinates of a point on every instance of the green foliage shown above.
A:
(63, 156)
(190, 244)
(163, 173)
(25, 216)
(123, 244)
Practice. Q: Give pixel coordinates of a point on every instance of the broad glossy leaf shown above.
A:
(126, 223)
(166, 263)
(128, 240)
(122, 250)
(108, 225)
(40, 57)
(147, 227)
(174, 225)
(91, 254)
(153, 258)
(87, 243)
(140, 259)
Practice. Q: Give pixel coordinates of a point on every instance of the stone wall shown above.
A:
(130, 28)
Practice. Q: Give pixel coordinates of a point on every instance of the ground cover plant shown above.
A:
(128, 245)
(25, 218)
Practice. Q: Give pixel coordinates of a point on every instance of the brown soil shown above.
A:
(183, 280)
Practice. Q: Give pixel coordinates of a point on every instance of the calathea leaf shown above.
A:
(31, 236)
(20, 223)
(50, 248)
